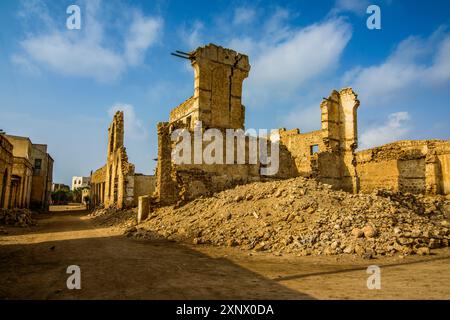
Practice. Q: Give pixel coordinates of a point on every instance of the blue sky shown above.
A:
(61, 86)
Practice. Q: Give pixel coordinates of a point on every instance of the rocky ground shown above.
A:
(300, 216)
(15, 217)
(34, 262)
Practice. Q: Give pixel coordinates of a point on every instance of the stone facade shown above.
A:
(327, 154)
(409, 166)
(22, 173)
(97, 188)
(28, 183)
(116, 184)
(406, 166)
(216, 103)
(42, 177)
(219, 74)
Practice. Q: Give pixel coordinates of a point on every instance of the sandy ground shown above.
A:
(33, 264)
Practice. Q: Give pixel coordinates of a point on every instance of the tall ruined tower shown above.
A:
(119, 172)
(216, 102)
(340, 134)
(219, 74)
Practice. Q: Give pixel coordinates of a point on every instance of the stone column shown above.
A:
(143, 208)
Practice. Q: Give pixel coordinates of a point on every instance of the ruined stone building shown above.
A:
(116, 184)
(26, 173)
(216, 102)
(328, 154)
(419, 166)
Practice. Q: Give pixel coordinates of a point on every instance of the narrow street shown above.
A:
(33, 264)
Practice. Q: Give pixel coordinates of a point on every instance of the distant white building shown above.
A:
(80, 182)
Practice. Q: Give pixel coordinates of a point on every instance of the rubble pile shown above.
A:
(304, 217)
(114, 217)
(16, 217)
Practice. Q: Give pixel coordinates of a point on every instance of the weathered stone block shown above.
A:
(143, 208)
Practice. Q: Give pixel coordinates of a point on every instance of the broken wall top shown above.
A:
(218, 78)
(339, 120)
(116, 132)
(403, 150)
(217, 54)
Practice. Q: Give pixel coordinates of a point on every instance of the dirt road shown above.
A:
(33, 264)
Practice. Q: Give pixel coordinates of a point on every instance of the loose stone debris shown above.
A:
(304, 217)
(16, 217)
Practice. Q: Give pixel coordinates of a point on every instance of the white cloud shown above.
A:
(64, 56)
(395, 128)
(244, 15)
(440, 70)
(192, 36)
(276, 27)
(132, 124)
(142, 34)
(281, 68)
(282, 57)
(245, 45)
(415, 63)
(305, 118)
(84, 52)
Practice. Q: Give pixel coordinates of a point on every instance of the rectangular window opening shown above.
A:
(314, 149)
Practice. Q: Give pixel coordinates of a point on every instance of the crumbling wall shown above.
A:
(375, 174)
(178, 182)
(167, 191)
(216, 103)
(327, 154)
(116, 184)
(119, 172)
(443, 156)
(339, 131)
(219, 74)
(406, 166)
(302, 148)
(186, 113)
(144, 185)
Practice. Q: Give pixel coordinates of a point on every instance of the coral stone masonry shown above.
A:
(328, 155)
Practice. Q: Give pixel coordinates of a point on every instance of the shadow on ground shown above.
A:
(115, 267)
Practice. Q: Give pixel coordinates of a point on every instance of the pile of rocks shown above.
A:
(16, 217)
(304, 217)
(114, 217)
